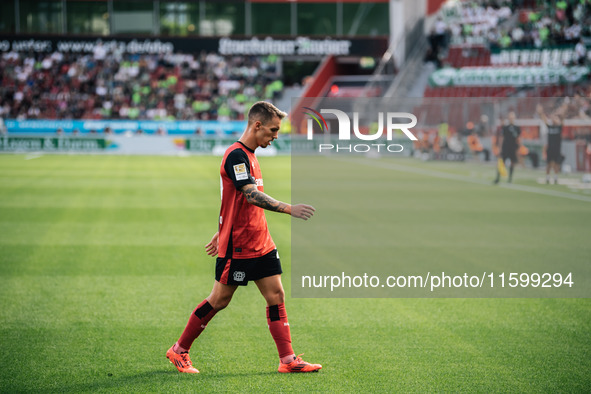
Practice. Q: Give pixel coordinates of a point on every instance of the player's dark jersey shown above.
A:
(553, 153)
(243, 231)
(510, 133)
(554, 137)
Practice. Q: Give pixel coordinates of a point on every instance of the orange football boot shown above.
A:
(299, 365)
(182, 362)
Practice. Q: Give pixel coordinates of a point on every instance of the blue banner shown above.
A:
(180, 127)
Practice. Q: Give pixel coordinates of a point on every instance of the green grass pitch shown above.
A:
(102, 261)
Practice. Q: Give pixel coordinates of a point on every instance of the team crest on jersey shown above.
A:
(240, 172)
(239, 276)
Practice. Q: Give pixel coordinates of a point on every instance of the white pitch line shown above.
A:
(462, 178)
(32, 156)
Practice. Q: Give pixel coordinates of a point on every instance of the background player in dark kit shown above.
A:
(553, 143)
(245, 247)
(509, 135)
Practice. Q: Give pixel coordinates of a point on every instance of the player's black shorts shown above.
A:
(509, 153)
(230, 271)
(553, 154)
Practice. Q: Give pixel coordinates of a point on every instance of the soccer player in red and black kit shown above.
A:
(509, 135)
(243, 244)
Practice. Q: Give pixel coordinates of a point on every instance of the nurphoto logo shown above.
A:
(392, 121)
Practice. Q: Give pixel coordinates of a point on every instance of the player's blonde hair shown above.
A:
(264, 112)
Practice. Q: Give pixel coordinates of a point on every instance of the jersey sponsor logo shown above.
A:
(259, 182)
(239, 276)
(240, 172)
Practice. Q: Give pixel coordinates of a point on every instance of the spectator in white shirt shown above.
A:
(580, 53)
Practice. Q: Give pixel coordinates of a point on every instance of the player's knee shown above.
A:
(276, 297)
(219, 303)
(281, 296)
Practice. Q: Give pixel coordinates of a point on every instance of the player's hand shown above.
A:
(302, 211)
(212, 247)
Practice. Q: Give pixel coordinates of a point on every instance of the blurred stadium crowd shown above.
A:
(514, 24)
(106, 85)
(547, 33)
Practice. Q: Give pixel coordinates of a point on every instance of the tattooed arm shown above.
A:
(256, 197)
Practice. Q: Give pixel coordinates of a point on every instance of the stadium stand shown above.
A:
(511, 34)
(514, 24)
(505, 56)
(103, 85)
